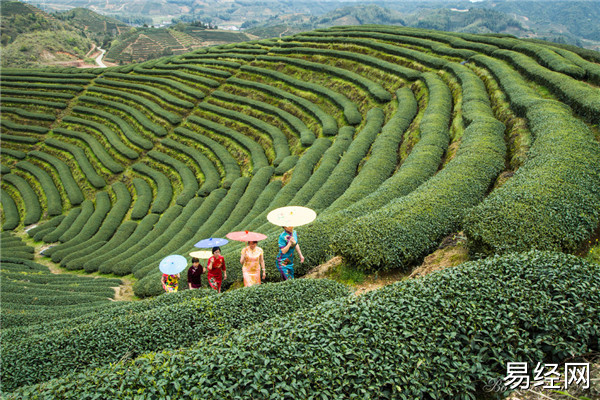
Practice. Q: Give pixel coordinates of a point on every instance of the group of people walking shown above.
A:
(251, 259)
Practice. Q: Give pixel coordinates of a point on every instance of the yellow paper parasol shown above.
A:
(291, 216)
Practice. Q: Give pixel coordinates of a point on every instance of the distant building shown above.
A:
(229, 28)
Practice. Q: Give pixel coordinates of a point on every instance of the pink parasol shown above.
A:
(246, 236)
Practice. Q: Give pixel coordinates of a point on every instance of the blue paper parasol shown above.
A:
(172, 264)
(211, 242)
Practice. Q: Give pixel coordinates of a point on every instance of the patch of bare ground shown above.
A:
(451, 252)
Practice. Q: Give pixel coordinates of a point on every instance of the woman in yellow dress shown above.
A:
(252, 261)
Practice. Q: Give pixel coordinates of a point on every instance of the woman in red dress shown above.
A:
(216, 269)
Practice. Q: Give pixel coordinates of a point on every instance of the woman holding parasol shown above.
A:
(252, 258)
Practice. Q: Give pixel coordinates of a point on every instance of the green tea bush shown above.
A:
(307, 137)
(344, 172)
(154, 80)
(119, 263)
(17, 92)
(65, 224)
(101, 341)
(550, 59)
(230, 166)
(375, 89)
(123, 127)
(28, 114)
(12, 126)
(445, 335)
(393, 68)
(107, 133)
(194, 78)
(96, 148)
(53, 199)
(65, 176)
(257, 153)
(43, 103)
(143, 199)
(280, 142)
(164, 191)
(133, 113)
(188, 179)
(286, 164)
(552, 202)
(81, 159)
(328, 123)
(210, 172)
(45, 228)
(350, 109)
(151, 106)
(33, 210)
(193, 66)
(406, 229)
(10, 211)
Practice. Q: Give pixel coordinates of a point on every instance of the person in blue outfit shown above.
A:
(288, 242)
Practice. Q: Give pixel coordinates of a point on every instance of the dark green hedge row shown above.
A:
(101, 312)
(66, 80)
(100, 260)
(194, 63)
(53, 199)
(344, 172)
(188, 179)
(25, 140)
(442, 336)
(328, 162)
(4, 169)
(33, 210)
(253, 191)
(133, 113)
(143, 199)
(383, 156)
(28, 114)
(88, 230)
(286, 164)
(426, 59)
(81, 218)
(307, 137)
(261, 204)
(50, 300)
(212, 178)
(475, 100)
(127, 82)
(104, 233)
(230, 166)
(550, 59)
(584, 99)
(237, 50)
(19, 155)
(14, 243)
(119, 263)
(553, 201)
(102, 341)
(350, 109)
(450, 38)
(592, 70)
(328, 123)
(12, 286)
(17, 92)
(81, 260)
(407, 228)
(45, 227)
(36, 102)
(96, 147)
(384, 35)
(172, 237)
(123, 127)
(374, 89)
(392, 68)
(74, 193)
(164, 190)
(257, 153)
(108, 134)
(149, 105)
(170, 83)
(202, 57)
(11, 126)
(63, 226)
(176, 65)
(32, 87)
(280, 142)
(195, 93)
(81, 159)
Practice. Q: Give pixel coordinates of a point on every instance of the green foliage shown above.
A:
(73, 191)
(188, 179)
(53, 199)
(164, 192)
(81, 159)
(33, 210)
(442, 336)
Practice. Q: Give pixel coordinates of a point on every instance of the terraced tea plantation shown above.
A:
(397, 137)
